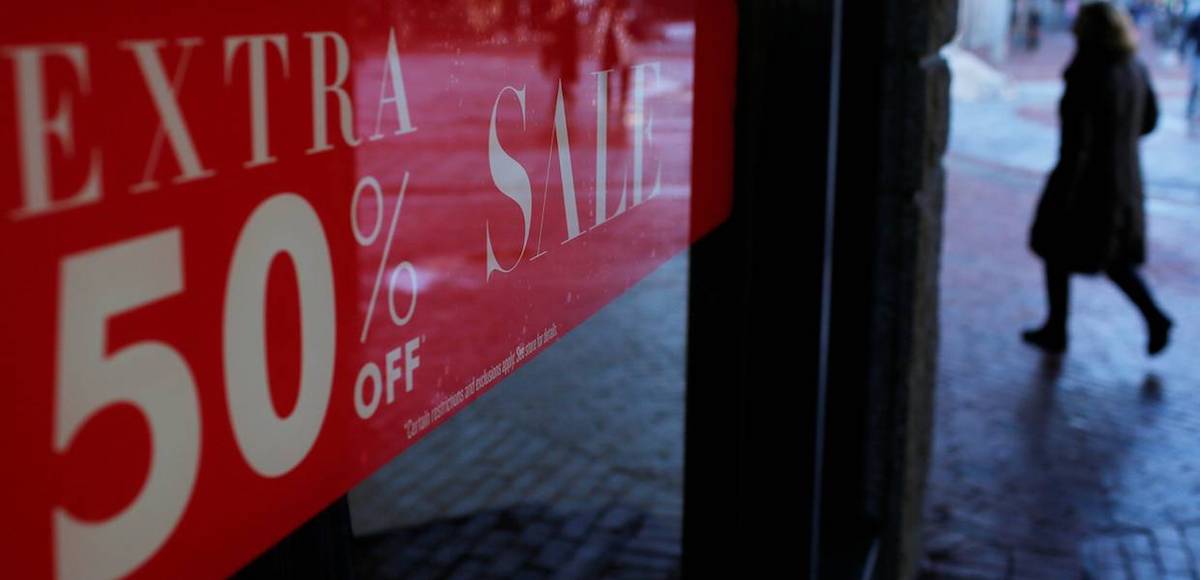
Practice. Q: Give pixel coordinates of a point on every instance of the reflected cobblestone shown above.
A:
(570, 468)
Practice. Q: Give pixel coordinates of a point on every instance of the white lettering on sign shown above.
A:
(154, 378)
(565, 174)
(642, 131)
(257, 66)
(46, 117)
(602, 152)
(322, 87)
(513, 181)
(285, 224)
(132, 276)
(369, 375)
(150, 375)
(36, 126)
(371, 388)
(166, 103)
(393, 77)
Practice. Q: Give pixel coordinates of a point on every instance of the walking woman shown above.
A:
(1091, 217)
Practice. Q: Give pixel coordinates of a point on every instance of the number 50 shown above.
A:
(154, 377)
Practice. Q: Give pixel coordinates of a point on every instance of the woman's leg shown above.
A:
(1058, 294)
(1128, 280)
(1193, 102)
(1052, 336)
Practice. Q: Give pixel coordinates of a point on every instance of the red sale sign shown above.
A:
(254, 250)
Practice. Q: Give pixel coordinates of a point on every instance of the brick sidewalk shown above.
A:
(570, 468)
(1045, 469)
(527, 542)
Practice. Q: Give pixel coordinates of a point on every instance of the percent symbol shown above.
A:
(368, 239)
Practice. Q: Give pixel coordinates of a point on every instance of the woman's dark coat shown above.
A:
(1091, 214)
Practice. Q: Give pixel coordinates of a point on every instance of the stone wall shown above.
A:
(913, 138)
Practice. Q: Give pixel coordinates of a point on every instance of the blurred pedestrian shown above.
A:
(1090, 218)
(612, 34)
(1191, 56)
(1033, 28)
(560, 47)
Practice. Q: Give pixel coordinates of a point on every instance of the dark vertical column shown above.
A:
(883, 351)
(913, 137)
(757, 310)
(852, 514)
(320, 549)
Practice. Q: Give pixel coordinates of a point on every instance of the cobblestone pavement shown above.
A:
(1086, 466)
(528, 542)
(570, 468)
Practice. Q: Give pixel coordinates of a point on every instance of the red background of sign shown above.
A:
(454, 68)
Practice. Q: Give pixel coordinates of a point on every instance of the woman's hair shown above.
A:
(1104, 27)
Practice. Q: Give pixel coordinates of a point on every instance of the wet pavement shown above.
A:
(1088, 465)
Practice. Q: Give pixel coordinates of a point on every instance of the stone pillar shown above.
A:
(913, 139)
